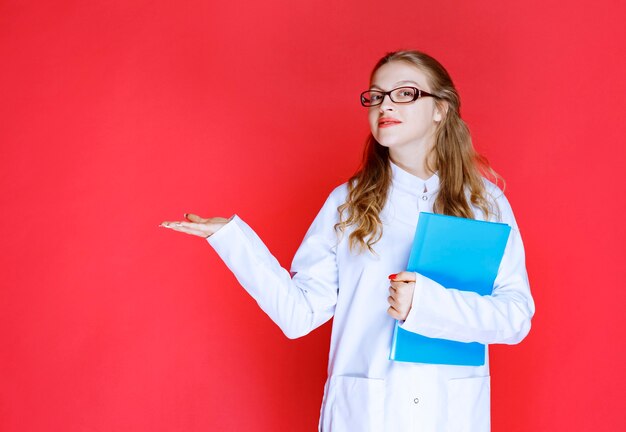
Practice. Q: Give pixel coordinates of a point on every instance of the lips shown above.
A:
(387, 122)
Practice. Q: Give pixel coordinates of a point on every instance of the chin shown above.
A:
(386, 142)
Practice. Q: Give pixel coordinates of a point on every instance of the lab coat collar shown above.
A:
(408, 182)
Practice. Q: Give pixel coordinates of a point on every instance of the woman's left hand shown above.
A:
(401, 294)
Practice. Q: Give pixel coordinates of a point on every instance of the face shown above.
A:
(403, 126)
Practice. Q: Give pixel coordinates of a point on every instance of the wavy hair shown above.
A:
(459, 167)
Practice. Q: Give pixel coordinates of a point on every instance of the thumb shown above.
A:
(195, 218)
(404, 276)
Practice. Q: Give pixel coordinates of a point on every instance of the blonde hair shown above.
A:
(459, 167)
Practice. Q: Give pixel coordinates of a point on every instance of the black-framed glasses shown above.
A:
(401, 95)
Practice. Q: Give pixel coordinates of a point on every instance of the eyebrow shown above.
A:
(398, 83)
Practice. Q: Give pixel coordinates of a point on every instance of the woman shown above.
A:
(419, 157)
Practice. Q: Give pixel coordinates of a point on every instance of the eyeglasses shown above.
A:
(401, 95)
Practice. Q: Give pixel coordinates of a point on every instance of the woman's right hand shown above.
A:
(198, 226)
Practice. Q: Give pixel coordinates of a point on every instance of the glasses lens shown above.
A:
(371, 98)
(404, 94)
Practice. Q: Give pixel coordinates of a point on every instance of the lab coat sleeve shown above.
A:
(502, 317)
(296, 304)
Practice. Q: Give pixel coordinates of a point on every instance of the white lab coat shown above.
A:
(365, 391)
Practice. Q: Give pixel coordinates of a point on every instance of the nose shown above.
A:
(387, 104)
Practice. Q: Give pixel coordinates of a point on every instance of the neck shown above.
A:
(412, 162)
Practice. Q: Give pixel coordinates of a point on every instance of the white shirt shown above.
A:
(366, 391)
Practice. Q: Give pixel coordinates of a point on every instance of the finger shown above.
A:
(195, 218)
(194, 225)
(393, 313)
(399, 285)
(393, 302)
(187, 227)
(190, 225)
(393, 291)
(168, 224)
(394, 294)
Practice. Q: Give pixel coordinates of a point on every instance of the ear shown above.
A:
(441, 109)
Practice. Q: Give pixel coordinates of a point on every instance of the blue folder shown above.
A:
(458, 253)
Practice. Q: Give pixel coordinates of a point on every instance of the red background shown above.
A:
(118, 115)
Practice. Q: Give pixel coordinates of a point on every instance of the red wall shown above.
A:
(116, 116)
